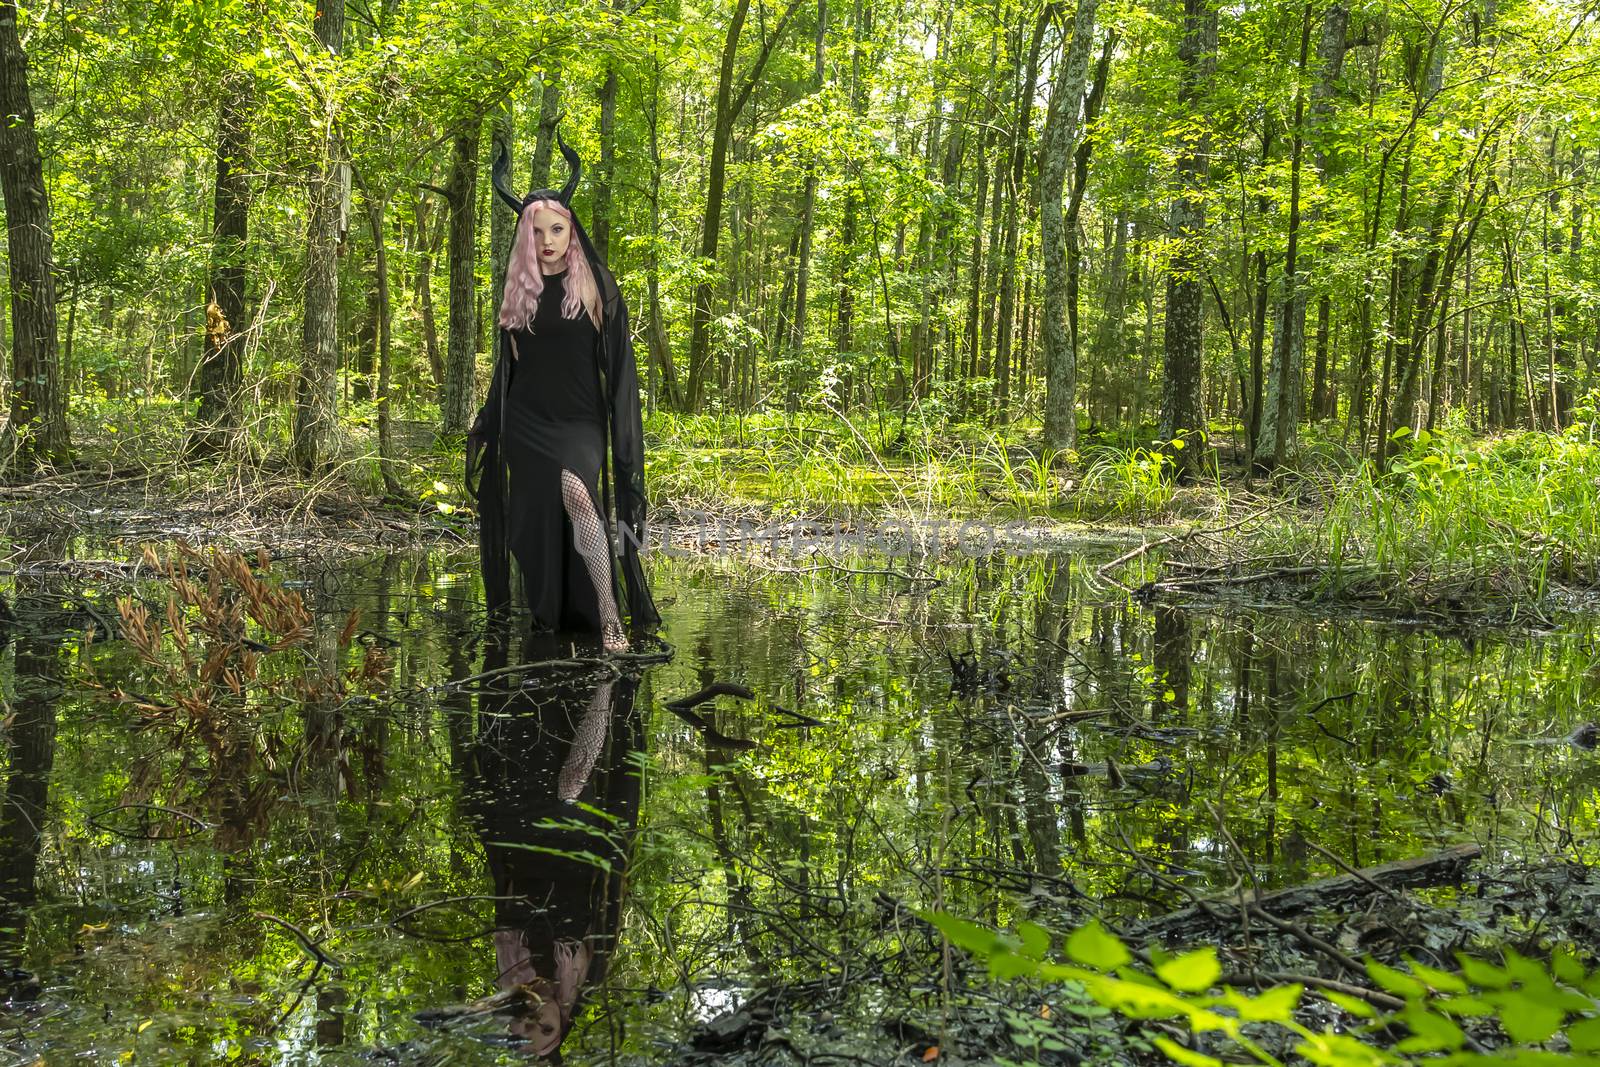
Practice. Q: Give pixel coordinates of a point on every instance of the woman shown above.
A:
(565, 395)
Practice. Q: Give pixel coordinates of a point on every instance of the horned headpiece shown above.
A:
(501, 173)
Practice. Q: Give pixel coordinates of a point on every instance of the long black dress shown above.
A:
(553, 423)
(566, 394)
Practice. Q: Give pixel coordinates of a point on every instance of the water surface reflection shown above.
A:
(1002, 737)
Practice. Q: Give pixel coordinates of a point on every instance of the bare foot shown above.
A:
(614, 639)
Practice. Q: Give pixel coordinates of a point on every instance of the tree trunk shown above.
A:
(316, 415)
(427, 247)
(808, 213)
(1107, 346)
(1182, 421)
(1058, 145)
(711, 222)
(656, 334)
(1278, 428)
(730, 103)
(37, 430)
(460, 370)
(545, 139)
(1021, 128)
(502, 223)
(222, 365)
(605, 176)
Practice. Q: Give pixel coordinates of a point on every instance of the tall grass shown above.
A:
(826, 466)
(1458, 517)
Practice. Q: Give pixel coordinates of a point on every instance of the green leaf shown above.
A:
(1566, 967)
(1465, 1006)
(1188, 1057)
(1276, 1005)
(1354, 1005)
(1192, 972)
(1482, 974)
(1443, 981)
(1035, 940)
(978, 940)
(1341, 1050)
(1527, 1020)
(1397, 982)
(1430, 1032)
(1012, 965)
(1584, 1036)
(1092, 946)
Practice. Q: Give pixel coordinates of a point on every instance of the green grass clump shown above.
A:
(1459, 519)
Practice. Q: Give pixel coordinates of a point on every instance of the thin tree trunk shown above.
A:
(222, 364)
(605, 177)
(808, 213)
(656, 334)
(502, 223)
(1058, 145)
(1021, 128)
(730, 103)
(1182, 421)
(1283, 393)
(427, 247)
(544, 141)
(316, 423)
(461, 359)
(36, 432)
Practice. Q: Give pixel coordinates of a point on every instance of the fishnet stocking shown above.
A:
(590, 538)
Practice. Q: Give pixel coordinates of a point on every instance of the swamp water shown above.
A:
(313, 868)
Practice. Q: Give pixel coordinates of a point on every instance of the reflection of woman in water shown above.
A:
(555, 794)
(565, 397)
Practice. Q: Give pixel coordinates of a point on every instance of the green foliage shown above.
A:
(1532, 1004)
(1483, 521)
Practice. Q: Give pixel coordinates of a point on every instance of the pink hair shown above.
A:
(525, 281)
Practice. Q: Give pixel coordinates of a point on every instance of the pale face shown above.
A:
(552, 233)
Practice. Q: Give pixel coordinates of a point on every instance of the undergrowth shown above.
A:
(1518, 1012)
(1453, 518)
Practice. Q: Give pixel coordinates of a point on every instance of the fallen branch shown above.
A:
(1439, 868)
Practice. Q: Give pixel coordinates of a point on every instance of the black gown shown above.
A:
(553, 422)
(568, 399)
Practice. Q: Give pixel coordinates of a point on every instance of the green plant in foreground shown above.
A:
(1532, 1004)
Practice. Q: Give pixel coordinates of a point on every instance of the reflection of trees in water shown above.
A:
(29, 745)
(553, 788)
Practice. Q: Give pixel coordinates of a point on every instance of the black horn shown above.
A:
(574, 168)
(501, 174)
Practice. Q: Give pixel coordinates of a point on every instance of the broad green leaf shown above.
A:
(1035, 940)
(1354, 1005)
(1275, 1005)
(1566, 967)
(1430, 1032)
(1528, 1020)
(1584, 1036)
(1192, 972)
(978, 940)
(1483, 974)
(1443, 981)
(1092, 946)
(1188, 1057)
(1397, 982)
(1465, 1006)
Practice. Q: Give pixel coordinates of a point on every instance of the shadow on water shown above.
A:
(386, 838)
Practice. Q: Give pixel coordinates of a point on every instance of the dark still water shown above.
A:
(263, 829)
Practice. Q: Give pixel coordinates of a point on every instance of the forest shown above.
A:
(1123, 487)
